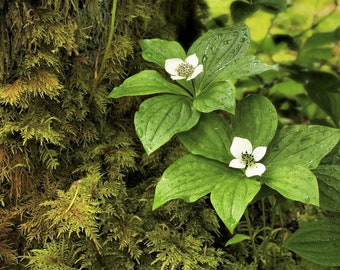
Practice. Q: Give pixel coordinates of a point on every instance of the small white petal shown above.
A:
(259, 152)
(237, 164)
(177, 77)
(239, 146)
(197, 71)
(256, 169)
(192, 60)
(172, 64)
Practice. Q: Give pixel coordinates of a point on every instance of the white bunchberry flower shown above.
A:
(187, 69)
(246, 158)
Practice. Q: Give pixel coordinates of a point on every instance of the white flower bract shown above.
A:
(187, 69)
(246, 158)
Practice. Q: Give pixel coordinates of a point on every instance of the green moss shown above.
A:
(75, 185)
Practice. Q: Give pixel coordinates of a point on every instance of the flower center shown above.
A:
(248, 159)
(185, 69)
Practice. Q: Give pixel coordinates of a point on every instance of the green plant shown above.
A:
(288, 154)
(76, 186)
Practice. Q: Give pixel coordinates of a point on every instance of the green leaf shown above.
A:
(321, 39)
(294, 182)
(232, 195)
(242, 10)
(322, 81)
(158, 50)
(146, 82)
(217, 49)
(309, 57)
(329, 185)
(218, 21)
(280, 89)
(237, 238)
(317, 241)
(159, 118)
(333, 157)
(217, 96)
(209, 138)
(189, 178)
(273, 6)
(244, 67)
(301, 145)
(256, 120)
(327, 100)
(324, 89)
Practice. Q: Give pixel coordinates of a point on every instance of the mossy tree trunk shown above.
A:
(75, 185)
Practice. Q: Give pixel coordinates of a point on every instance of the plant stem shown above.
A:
(73, 200)
(109, 40)
(250, 231)
(107, 49)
